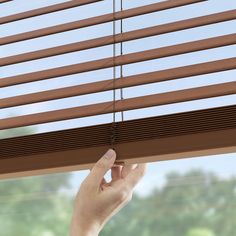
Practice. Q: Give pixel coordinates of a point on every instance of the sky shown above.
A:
(224, 165)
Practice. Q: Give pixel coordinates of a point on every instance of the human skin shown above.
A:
(97, 201)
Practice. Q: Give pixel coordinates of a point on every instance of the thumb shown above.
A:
(101, 167)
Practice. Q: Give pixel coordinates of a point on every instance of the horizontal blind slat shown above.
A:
(127, 36)
(45, 10)
(178, 121)
(121, 105)
(124, 82)
(19, 162)
(97, 20)
(121, 60)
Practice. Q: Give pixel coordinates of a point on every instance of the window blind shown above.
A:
(184, 134)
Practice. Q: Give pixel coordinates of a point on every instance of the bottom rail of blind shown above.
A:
(183, 135)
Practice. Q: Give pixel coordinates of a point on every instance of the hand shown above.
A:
(97, 201)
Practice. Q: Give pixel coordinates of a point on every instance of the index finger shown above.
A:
(97, 173)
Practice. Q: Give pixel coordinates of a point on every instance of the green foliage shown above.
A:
(16, 132)
(34, 206)
(200, 232)
(186, 204)
(194, 204)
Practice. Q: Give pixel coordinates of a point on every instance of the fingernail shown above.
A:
(109, 154)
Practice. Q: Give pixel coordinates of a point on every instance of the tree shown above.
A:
(186, 204)
(34, 206)
(194, 204)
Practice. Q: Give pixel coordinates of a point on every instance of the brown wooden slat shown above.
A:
(164, 128)
(121, 105)
(45, 10)
(127, 131)
(166, 137)
(97, 20)
(3, 1)
(121, 60)
(140, 79)
(127, 36)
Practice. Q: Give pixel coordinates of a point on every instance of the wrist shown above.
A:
(86, 233)
(80, 231)
(79, 228)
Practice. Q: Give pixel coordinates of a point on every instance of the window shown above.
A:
(193, 128)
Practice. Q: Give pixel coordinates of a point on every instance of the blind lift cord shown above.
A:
(113, 126)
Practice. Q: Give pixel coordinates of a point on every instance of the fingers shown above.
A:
(116, 172)
(104, 182)
(100, 168)
(135, 175)
(124, 189)
(127, 169)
